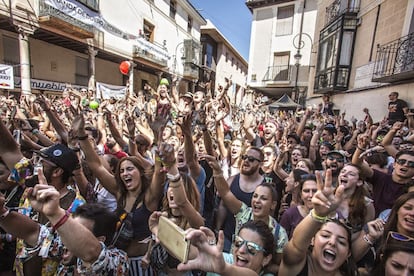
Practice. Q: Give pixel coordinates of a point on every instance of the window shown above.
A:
(284, 21)
(280, 70)
(209, 55)
(189, 24)
(92, 4)
(11, 53)
(148, 31)
(173, 8)
(82, 71)
(227, 57)
(232, 61)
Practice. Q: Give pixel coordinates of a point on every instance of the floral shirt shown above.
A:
(246, 214)
(111, 261)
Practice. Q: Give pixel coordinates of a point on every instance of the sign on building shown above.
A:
(6, 77)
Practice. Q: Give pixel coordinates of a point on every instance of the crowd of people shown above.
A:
(84, 182)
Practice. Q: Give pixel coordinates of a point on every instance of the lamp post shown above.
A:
(175, 56)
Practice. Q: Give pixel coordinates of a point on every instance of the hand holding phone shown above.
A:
(172, 237)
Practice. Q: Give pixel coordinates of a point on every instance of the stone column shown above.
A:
(24, 61)
(91, 54)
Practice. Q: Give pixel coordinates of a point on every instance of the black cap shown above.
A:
(62, 156)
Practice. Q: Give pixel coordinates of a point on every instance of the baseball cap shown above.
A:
(187, 95)
(60, 155)
(338, 152)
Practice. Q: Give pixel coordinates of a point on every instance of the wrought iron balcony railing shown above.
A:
(150, 51)
(339, 7)
(47, 10)
(395, 60)
(277, 73)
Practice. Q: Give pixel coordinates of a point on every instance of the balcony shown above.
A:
(254, 4)
(277, 74)
(56, 19)
(395, 61)
(339, 7)
(150, 52)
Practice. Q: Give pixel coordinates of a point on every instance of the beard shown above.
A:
(249, 171)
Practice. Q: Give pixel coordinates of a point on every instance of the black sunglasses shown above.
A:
(402, 162)
(250, 158)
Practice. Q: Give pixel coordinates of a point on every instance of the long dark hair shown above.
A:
(145, 182)
(392, 221)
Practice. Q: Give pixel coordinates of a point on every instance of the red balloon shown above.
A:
(124, 67)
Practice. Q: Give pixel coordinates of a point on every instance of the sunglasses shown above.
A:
(398, 236)
(339, 159)
(250, 158)
(402, 162)
(252, 248)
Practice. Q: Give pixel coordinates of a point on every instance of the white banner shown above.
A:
(78, 11)
(6, 77)
(110, 91)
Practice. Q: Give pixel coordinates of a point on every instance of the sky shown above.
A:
(232, 18)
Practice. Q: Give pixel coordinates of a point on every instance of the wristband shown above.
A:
(367, 240)
(173, 178)
(61, 221)
(5, 214)
(35, 131)
(361, 149)
(317, 218)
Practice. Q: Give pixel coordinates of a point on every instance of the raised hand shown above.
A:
(78, 126)
(213, 163)
(326, 199)
(44, 198)
(209, 256)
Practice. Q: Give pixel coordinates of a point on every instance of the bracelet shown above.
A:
(361, 149)
(173, 178)
(61, 221)
(81, 138)
(75, 149)
(317, 218)
(367, 240)
(5, 214)
(35, 131)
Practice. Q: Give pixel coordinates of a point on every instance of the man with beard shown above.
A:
(270, 131)
(335, 161)
(242, 186)
(386, 188)
(58, 163)
(79, 243)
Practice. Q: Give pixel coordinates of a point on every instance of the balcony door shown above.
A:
(280, 71)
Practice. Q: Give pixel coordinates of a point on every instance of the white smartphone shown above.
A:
(172, 237)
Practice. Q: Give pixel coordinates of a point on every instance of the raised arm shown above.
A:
(56, 122)
(387, 140)
(177, 187)
(92, 158)
(9, 149)
(189, 148)
(229, 199)
(357, 159)
(295, 253)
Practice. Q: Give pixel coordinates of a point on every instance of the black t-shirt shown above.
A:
(396, 111)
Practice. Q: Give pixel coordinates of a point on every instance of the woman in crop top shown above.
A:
(129, 183)
(320, 245)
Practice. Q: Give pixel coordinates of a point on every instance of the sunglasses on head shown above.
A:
(398, 236)
(402, 162)
(252, 248)
(250, 158)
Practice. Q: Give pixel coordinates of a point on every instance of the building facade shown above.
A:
(364, 52)
(220, 61)
(281, 46)
(52, 44)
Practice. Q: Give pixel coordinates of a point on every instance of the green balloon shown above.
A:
(164, 81)
(94, 104)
